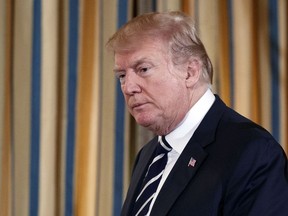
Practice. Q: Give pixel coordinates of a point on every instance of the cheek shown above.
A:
(171, 89)
(170, 100)
(177, 97)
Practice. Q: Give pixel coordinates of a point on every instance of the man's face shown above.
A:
(154, 89)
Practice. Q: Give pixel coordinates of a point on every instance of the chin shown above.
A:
(145, 124)
(157, 127)
(144, 121)
(151, 126)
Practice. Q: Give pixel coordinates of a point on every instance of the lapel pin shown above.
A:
(192, 162)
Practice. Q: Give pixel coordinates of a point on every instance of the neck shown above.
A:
(197, 92)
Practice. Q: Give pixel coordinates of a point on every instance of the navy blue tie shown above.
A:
(152, 179)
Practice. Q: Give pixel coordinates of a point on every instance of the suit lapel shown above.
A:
(141, 165)
(180, 176)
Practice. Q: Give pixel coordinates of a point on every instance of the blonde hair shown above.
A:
(175, 28)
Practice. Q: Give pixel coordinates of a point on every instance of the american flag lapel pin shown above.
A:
(192, 162)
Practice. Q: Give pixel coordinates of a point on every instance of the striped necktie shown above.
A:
(152, 179)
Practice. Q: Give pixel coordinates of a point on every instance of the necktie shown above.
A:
(152, 179)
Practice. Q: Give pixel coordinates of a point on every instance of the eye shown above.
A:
(143, 69)
(120, 76)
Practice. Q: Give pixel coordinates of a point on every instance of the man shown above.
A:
(213, 161)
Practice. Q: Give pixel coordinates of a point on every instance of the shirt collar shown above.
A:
(180, 136)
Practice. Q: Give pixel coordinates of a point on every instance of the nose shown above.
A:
(131, 84)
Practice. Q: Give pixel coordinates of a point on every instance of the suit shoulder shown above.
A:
(237, 126)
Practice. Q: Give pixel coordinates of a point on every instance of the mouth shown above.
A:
(137, 105)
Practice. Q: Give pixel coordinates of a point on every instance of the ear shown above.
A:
(193, 72)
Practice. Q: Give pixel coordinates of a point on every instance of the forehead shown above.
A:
(144, 50)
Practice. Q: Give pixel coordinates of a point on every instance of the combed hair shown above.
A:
(175, 28)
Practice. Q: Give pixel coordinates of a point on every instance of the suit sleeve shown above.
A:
(126, 205)
(259, 185)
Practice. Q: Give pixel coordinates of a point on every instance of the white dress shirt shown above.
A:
(180, 136)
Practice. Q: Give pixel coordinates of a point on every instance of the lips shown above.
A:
(137, 105)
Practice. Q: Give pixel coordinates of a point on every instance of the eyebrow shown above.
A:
(117, 70)
(134, 64)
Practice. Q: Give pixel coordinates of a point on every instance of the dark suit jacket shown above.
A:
(240, 170)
